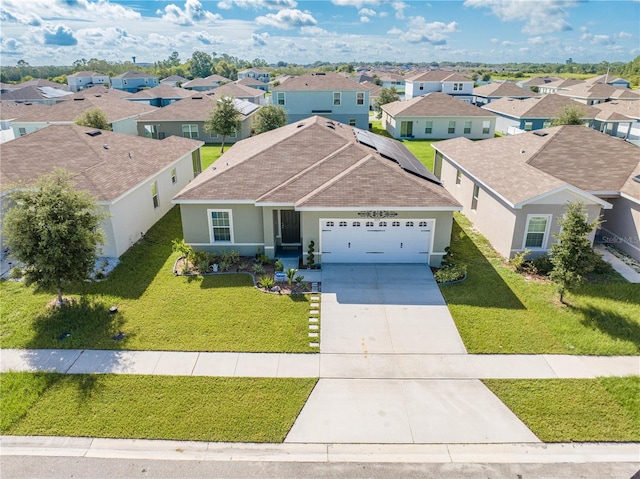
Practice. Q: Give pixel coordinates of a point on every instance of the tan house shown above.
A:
(437, 116)
(515, 188)
(133, 179)
(187, 117)
(494, 91)
(358, 196)
(241, 92)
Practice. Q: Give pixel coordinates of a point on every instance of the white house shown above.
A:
(86, 79)
(452, 83)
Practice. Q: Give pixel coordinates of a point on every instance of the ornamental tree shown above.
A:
(572, 255)
(387, 95)
(54, 230)
(270, 117)
(570, 115)
(94, 118)
(223, 120)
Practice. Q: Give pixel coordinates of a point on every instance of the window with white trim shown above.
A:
(330, 223)
(546, 124)
(452, 127)
(383, 224)
(422, 224)
(174, 176)
(457, 87)
(190, 131)
(528, 125)
(360, 98)
(220, 226)
(280, 98)
(409, 224)
(486, 127)
(352, 122)
(474, 200)
(467, 127)
(536, 231)
(355, 224)
(22, 131)
(369, 224)
(421, 86)
(428, 127)
(337, 98)
(151, 131)
(395, 223)
(154, 194)
(342, 223)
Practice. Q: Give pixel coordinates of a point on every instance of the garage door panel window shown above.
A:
(537, 231)
(220, 222)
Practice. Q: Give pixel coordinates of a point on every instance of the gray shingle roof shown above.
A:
(503, 89)
(134, 74)
(546, 106)
(438, 76)
(106, 173)
(314, 163)
(196, 107)
(161, 91)
(236, 90)
(434, 104)
(318, 82)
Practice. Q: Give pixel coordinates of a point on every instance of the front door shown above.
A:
(290, 226)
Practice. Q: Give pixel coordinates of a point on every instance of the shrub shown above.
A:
(201, 257)
(447, 259)
(243, 266)
(183, 249)
(185, 268)
(230, 257)
(299, 279)
(266, 282)
(223, 265)
(203, 266)
(291, 273)
(258, 268)
(543, 264)
(311, 259)
(263, 259)
(278, 266)
(450, 273)
(17, 273)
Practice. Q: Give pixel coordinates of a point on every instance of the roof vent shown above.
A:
(300, 125)
(105, 146)
(522, 151)
(540, 133)
(94, 133)
(79, 99)
(196, 98)
(636, 178)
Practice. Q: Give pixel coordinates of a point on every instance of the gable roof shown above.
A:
(618, 110)
(318, 82)
(134, 74)
(434, 104)
(503, 89)
(211, 80)
(563, 83)
(40, 82)
(10, 110)
(236, 90)
(545, 106)
(99, 91)
(254, 70)
(106, 173)
(313, 164)
(161, 91)
(196, 107)
(86, 74)
(537, 81)
(174, 78)
(35, 93)
(523, 167)
(438, 76)
(248, 81)
(115, 109)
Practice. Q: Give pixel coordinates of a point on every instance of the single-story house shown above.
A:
(133, 179)
(515, 188)
(174, 80)
(205, 84)
(46, 95)
(609, 80)
(494, 91)
(534, 83)
(618, 118)
(435, 116)
(554, 86)
(516, 116)
(358, 196)
(160, 96)
(186, 118)
(121, 114)
(10, 112)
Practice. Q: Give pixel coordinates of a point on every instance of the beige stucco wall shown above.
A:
(174, 128)
(622, 226)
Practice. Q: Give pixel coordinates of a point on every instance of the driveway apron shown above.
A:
(371, 313)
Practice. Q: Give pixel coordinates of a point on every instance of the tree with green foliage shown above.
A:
(54, 230)
(94, 118)
(570, 115)
(386, 95)
(201, 64)
(223, 120)
(270, 117)
(572, 255)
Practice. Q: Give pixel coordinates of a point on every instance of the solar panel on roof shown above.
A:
(395, 151)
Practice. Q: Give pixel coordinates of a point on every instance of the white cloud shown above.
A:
(367, 12)
(259, 39)
(206, 39)
(314, 31)
(15, 17)
(193, 12)
(399, 7)
(287, 19)
(420, 31)
(10, 46)
(539, 16)
(495, 41)
(365, 19)
(257, 4)
(507, 43)
(355, 3)
(625, 35)
(537, 40)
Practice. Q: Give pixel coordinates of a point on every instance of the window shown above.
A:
(486, 127)
(452, 127)
(330, 223)
(22, 131)
(467, 127)
(342, 223)
(161, 135)
(383, 224)
(190, 131)
(280, 98)
(360, 98)
(528, 125)
(213, 135)
(234, 134)
(422, 224)
(536, 231)
(421, 86)
(337, 98)
(355, 224)
(154, 194)
(409, 224)
(174, 176)
(369, 224)
(458, 177)
(352, 122)
(474, 200)
(151, 131)
(124, 82)
(395, 223)
(428, 128)
(546, 124)
(220, 225)
(457, 87)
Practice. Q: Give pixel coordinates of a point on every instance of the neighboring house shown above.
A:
(374, 92)
(454, 84)
(515, 188)
(563, 83)
(620, 119)
(390, 79)
(534, 83)
(133, 81)
(494, 91)
(253, 83)
(326, 94)
(205, 84)
(10, 112)
(593, 94)
(186, 118)
(160, 96)
(436, 116)
(609, 80)
(45, 95)
(256, 74)
(322, 181)
(240, 92)
(85, 79)
(121, 114)
(174, 80)
(133, 179)
(516, 116)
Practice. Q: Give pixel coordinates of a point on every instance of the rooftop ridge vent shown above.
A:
(94, 133)
(79, 99)
(540, 133)
(196, 98)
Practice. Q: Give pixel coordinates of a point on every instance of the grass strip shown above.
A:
(152, 407)
(574, 410)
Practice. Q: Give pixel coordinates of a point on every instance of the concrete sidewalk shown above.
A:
(330, 366)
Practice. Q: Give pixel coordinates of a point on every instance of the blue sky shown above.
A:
(491, 31)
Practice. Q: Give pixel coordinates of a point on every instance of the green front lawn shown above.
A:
(498, 310)
(422, 149)
(157, 310)
(151, 407)
(575, 410)
(210, 153)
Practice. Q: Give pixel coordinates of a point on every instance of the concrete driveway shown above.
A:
(384, 308)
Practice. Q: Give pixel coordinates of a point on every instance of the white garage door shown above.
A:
(375, 241)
